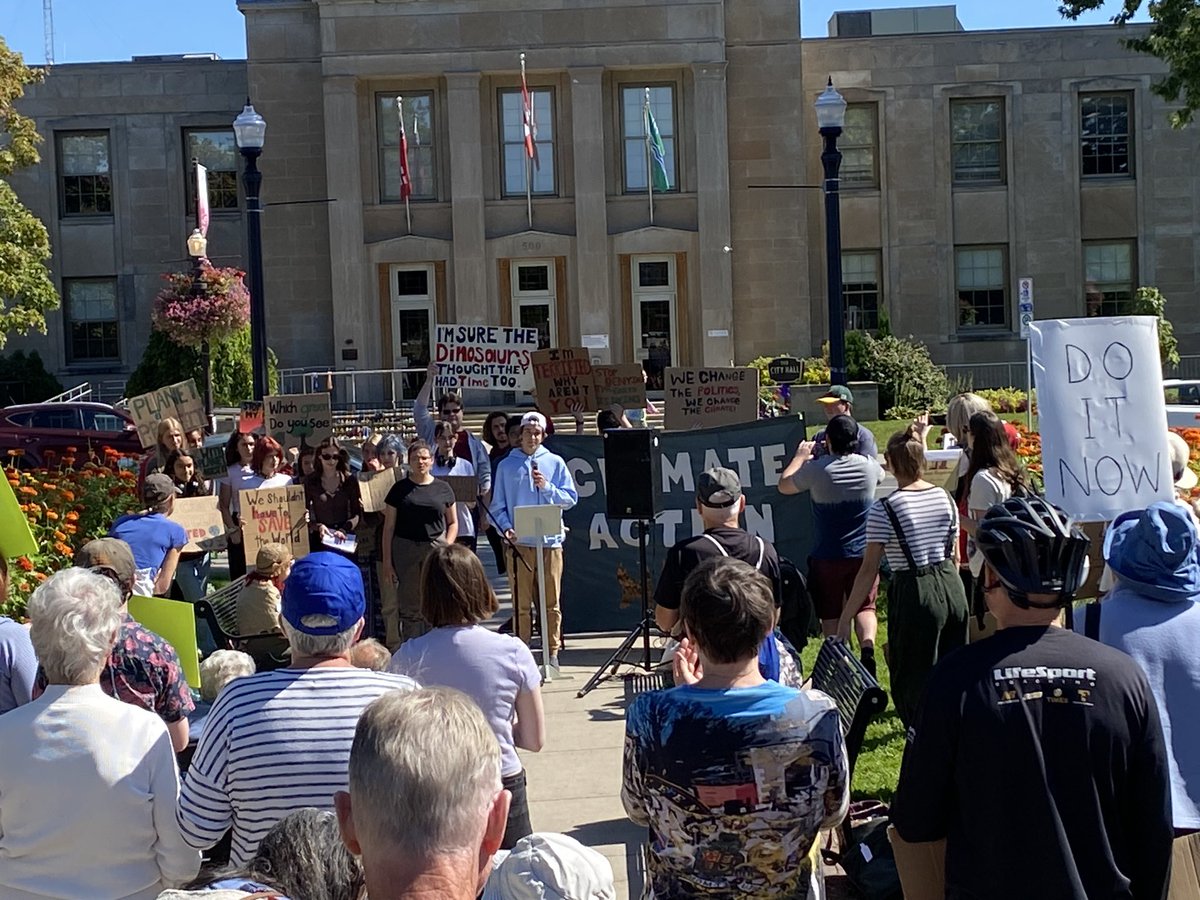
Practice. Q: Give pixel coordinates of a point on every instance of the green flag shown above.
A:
(658, 154)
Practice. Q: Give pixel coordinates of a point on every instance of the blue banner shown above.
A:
(601, 586)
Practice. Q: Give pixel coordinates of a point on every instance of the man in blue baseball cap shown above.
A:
(279, 741)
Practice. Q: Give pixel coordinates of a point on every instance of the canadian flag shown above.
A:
(405, 181)
(530, 124)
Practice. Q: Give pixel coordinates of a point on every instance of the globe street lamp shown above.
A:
(197, 246)
(250, 130)
(831, 117)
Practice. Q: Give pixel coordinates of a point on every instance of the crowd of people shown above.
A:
(364, 739)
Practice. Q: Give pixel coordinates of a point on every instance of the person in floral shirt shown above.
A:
(143, 669)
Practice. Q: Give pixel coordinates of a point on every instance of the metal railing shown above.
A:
(111, 391)
(355, 388)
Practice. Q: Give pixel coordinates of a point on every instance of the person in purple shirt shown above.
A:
(496, 670)
(18, 662)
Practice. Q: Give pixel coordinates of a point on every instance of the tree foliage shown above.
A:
(26, 290)
(1149, 301)
(1173, 37)
(165, 362)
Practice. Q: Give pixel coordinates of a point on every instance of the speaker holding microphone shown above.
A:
(633, 470)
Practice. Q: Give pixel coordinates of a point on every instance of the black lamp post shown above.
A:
(250, 130)
(197, 246)
(831, 117)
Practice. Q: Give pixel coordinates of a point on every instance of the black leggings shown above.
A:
(518, 811)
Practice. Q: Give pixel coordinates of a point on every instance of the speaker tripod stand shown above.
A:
(642, 630)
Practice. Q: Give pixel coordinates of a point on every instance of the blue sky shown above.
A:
(87, 30)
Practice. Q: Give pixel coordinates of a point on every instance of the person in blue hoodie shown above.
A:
(532, 476)
(1152, 615)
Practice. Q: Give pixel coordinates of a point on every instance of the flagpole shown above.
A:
(527, 97)
(404, 158)
(649, 173)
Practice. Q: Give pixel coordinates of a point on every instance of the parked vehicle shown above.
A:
(46, 432)
(1183, 403)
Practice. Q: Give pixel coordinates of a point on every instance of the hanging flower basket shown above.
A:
(213, 315)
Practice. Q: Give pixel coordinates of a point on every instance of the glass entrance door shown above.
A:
(655, 339)
(412, 325)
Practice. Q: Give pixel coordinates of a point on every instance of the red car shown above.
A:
(42, 430)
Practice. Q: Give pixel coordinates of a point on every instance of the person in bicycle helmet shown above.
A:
(1036, 753)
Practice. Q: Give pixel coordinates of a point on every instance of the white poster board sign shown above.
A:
(1101, 414)
(491, 357)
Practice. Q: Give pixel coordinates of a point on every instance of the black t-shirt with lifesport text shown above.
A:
(689, 553)
(1038, 754)
(420, 509)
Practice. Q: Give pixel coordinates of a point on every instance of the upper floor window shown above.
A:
(84, 178)
(1108, 273)
(418, 130)
(633, 134)
(217, 151)
(977, 141)
(514, 158)
(860, 290)
(859, 145)
(1106, 141)
(982, 287)
(91, 319)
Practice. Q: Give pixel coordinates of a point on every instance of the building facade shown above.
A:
(971, 159)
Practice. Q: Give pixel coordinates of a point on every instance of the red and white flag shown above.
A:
(202, 199)
(405, 181)
(527, 115)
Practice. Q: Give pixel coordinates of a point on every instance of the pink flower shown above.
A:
(221, 310)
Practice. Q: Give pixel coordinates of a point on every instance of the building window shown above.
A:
(858, 144)
(533, 290)
(418, 128)
(633, 133)
(1108, 277)
(977, 141)
(860, 290)
(91, 321)
(1104, 134)
(655, 341)
(514, 157)
(413, 290)
(982, 287)
(84, 180)
(217, 151)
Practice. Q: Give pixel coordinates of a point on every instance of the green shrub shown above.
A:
(909, 381)
(1149, 301)
(165, 362)
(24, 379)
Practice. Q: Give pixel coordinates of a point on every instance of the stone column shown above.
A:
(592, 288)
(714, 287)
(349, 286)
(470, 295)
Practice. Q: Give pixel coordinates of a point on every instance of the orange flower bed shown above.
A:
(66, 508)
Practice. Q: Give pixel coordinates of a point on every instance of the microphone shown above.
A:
(533, 471)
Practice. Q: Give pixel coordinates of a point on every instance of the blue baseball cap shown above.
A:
(324, 584)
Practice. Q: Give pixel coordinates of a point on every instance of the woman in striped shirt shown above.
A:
(917, 529)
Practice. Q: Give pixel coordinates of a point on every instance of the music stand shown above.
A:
(534, 523)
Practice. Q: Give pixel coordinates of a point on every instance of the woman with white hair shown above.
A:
(88, 784)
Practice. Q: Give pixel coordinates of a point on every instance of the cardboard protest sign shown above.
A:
(298, 420)
(211, 460)
(175, 401)
(465, 487)
(275, 516)
(623, 384)
(491, 357)
(202, 521)
(175, 622)
(251, 418)
(1102, 416)
(705, 398)
(373, 488)
(16, 539)
(563, 380)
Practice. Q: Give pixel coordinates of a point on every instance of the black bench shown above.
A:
(219, 610)
(859, 698)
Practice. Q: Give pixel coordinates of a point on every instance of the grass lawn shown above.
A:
(878, 764)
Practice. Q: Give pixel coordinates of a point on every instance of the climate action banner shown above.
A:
(601, 587)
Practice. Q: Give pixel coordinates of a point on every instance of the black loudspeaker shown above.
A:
(633, 469)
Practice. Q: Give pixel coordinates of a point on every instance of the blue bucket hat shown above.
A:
(1154, 551)
(324, 584)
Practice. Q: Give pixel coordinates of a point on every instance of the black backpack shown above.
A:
(797, 620)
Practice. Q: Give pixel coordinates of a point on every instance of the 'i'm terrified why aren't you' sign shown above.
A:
(1101, 414)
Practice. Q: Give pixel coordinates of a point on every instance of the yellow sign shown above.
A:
(15, 537)
(175, 623)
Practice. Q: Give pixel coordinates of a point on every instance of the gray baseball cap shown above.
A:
(718, 488)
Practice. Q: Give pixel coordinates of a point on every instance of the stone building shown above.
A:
(972, 159)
